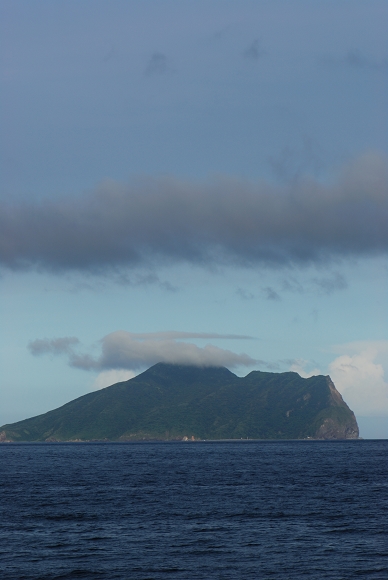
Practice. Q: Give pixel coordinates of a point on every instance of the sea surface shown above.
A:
(202, 510)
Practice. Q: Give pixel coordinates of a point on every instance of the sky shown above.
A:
(197, 182)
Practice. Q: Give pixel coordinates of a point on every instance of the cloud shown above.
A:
(132, 351)
(157, 64)
(174, 335)
(254, 50)
(291, 284)
(123, 279)
(356, 60)
(330, 284)
(271, 294)
(244, 294)
(301, 365)
(162, 221)
(359, 375)
(292, 162)
(107, 378)
(121, 350)
(56, 346)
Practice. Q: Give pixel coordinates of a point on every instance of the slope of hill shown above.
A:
(172, 402)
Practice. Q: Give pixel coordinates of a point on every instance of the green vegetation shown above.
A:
(169, 402)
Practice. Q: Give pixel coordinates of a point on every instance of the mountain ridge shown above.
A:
(176, 402)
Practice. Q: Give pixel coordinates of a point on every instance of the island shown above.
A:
(171, 402)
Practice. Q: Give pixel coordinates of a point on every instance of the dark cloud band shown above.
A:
(156, 221)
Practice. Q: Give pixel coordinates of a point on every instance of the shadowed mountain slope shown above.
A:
(169, 402)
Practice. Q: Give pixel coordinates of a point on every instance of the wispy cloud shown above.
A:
(244, 294)
(163, 221)
(292, 284)
(63, 345)
(254, 51)
(332, 281)
(133, 351)
(157, 64)
(271, 294)
(356, 60)
(291, 163)
(330, 284)
(146, 279)
(176, 335)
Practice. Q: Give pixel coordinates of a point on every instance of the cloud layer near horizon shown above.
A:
(131, 351)
(359, 373)
(226, 221)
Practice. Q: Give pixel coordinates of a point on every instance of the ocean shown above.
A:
(194, 510)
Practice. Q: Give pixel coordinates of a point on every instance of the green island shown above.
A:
(174, 402)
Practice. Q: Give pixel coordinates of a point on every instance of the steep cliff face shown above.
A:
(3, 437)
(340, 422)
(333, 429)
(172, 402)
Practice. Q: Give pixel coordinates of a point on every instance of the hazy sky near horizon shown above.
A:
(193, 181)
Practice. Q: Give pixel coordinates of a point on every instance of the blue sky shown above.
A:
(193, 182)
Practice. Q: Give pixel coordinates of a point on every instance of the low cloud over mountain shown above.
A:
(132, 351)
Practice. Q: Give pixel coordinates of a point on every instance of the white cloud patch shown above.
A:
(123, 350)
(299, 366)
(359, 375)
(108, 378)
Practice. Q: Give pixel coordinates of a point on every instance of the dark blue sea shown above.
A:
(202, 510)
